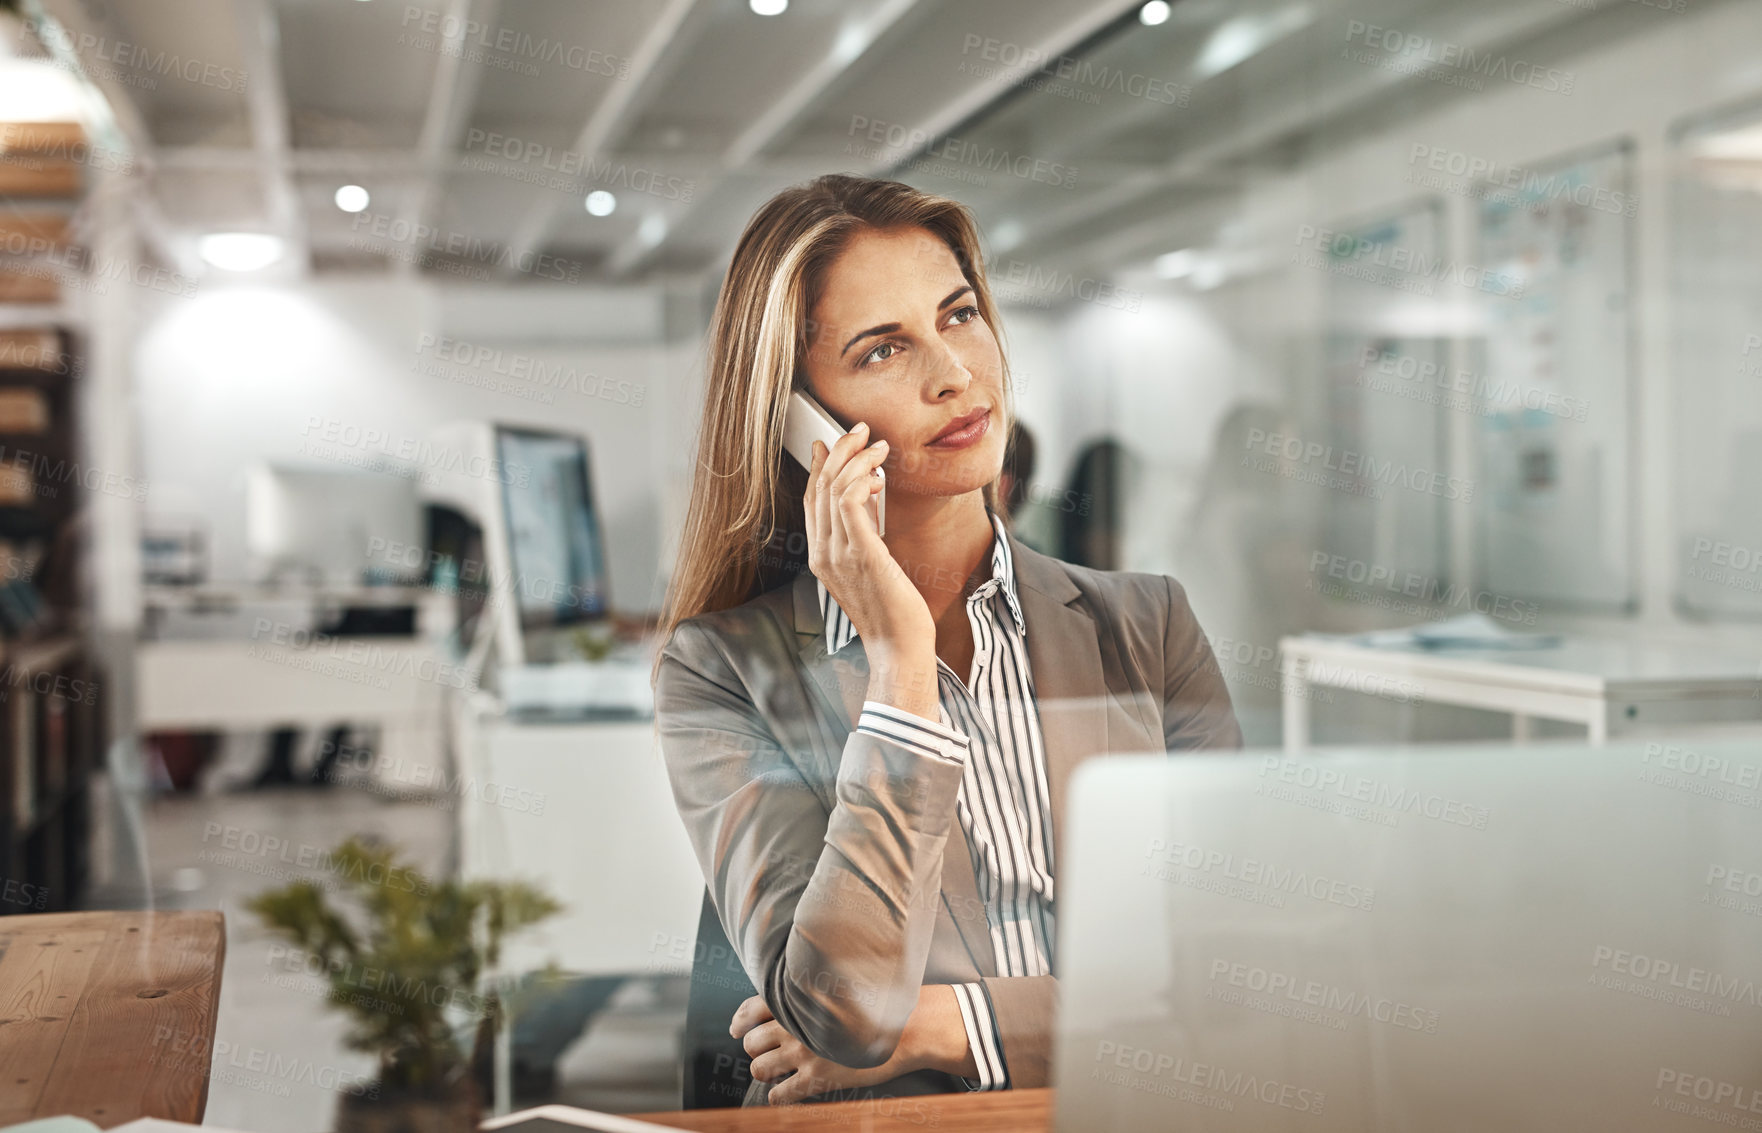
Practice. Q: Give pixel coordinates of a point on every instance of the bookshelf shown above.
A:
(51, 719)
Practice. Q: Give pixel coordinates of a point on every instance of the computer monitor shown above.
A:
(320, 524)
(555, 547)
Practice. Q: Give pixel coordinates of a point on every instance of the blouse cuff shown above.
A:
(932, 738)
(982, 1037)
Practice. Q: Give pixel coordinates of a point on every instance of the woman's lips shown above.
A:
(965, 431)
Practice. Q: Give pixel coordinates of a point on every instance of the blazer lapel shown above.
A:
(1064, 659)
(841, 680)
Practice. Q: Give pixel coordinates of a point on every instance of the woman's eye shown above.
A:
(965, 314)
(875, 355)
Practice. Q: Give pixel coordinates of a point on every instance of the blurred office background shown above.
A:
(1348, 314)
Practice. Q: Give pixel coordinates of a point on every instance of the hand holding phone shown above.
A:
(806, 422)
(873, 590)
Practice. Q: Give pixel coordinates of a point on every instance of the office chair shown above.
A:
(717, 1068)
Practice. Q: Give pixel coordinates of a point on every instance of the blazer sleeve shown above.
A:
(1196, 710)
(831, 912)
(1025, 1010)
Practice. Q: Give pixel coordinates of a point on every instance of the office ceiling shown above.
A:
(480, 127)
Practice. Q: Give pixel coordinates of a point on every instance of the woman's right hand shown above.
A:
(846, 553)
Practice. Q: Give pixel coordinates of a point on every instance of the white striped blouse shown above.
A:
(990, 725)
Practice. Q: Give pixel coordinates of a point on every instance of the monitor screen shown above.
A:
(553, 532)
(325, 524)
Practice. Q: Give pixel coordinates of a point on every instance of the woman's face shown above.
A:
(896, 340)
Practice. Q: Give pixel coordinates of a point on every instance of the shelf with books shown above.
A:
(51, 728)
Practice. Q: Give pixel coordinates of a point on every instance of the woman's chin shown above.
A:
(946, 474)
(940, 487)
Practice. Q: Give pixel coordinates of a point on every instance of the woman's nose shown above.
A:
(948, 376)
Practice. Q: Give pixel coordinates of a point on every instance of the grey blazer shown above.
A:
(835, 860)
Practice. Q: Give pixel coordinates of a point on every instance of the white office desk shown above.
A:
(584, 809)
(247, 657)
(1608, 686)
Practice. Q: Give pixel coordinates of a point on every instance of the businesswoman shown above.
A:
(869, 738)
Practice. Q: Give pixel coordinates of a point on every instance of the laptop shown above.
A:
(1513, 938)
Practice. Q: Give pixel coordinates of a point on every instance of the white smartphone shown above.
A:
(806, 422)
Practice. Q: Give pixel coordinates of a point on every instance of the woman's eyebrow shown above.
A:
(955, 294)
(889, 328)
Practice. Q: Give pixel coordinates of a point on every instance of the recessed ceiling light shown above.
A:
(352, 198)
(601, 203)
(1153, 13)
(1177, 265)
(768, 7)
(240, 251)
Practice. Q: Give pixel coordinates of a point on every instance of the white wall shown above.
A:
(236, 375)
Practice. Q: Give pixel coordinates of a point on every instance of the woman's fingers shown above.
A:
(861, 466)
(748, 1015)
(833, 538)
(810, 494)
(773, 1066)
(764, 1038)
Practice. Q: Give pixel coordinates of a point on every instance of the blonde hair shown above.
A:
(745, 492)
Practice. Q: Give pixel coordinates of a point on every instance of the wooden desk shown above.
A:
(996, 1111)
(108, 1016)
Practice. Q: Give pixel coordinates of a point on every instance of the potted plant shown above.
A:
(404, 957)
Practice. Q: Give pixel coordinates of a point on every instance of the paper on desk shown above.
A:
(1469, 631)
(63, 1124)
(567, 1119)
